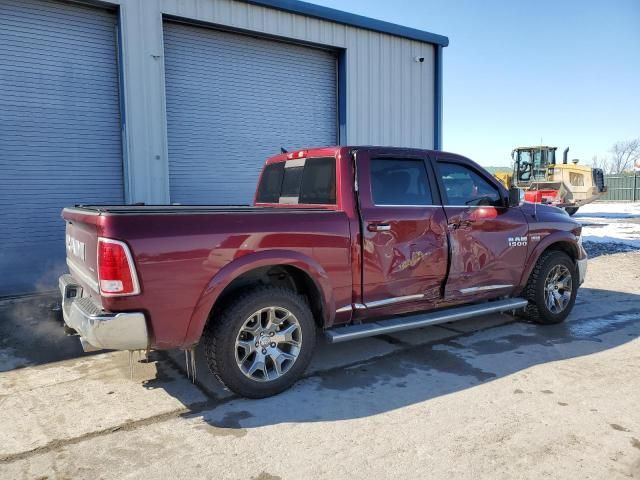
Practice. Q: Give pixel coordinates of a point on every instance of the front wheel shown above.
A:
(551, 289)
(262, 342)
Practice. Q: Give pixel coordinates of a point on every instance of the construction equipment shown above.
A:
(564, 185)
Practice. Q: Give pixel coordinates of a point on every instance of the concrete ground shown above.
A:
(486, 398)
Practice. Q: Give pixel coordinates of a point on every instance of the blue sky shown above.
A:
(518, 71)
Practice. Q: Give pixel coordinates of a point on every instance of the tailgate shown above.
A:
(81, 239)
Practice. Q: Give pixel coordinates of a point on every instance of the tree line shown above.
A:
(622, 157)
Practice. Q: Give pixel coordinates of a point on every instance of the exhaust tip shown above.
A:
(70, 332)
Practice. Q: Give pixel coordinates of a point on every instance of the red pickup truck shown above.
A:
(348, 241)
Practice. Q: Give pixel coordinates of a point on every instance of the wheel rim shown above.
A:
(557, 289)
(268, 344)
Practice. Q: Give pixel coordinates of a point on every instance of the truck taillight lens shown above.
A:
(116, 272)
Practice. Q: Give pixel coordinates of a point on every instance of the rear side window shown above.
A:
(396, 181)
(302, 181)
(271, 183)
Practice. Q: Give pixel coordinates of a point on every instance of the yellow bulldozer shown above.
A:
(565, 185)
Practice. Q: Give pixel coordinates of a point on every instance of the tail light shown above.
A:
(116, 271)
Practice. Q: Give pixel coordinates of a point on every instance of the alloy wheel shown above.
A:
(268, 344)
(557, 289)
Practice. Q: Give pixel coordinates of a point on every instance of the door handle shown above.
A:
(378, 227)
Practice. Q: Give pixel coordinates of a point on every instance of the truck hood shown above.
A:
(543, 209)
(548, 215)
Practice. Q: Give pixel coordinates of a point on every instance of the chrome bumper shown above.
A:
(97, 328)
(582, 270)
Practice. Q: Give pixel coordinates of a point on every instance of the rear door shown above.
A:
(404, 249)
(488, 239)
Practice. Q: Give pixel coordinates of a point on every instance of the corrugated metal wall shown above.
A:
(61, 131)
(60, 138)
(232, 101)
(389, 96)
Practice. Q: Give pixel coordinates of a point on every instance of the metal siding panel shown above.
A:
(59, 131)
(621, 188)
(234, 100)
(144, 81)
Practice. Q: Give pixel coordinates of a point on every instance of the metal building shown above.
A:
(165, 101)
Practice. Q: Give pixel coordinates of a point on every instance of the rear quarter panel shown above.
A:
(184, 261)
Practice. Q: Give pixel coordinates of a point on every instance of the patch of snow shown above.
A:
(612, 233)
(609, 210)
(611, 223)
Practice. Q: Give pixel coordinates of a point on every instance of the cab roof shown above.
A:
(537, 147)
(332, 151)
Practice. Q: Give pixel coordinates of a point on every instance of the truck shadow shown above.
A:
(601, 320)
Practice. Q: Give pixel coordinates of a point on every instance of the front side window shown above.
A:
(396, 181)
(464, 187)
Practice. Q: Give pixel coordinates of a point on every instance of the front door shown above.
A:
(488, 239)
(404, 249)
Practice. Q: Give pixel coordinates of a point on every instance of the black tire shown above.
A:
(537, 310)
(220, 336)
(571, 210)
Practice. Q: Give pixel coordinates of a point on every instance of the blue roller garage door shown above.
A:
(60, 140)
(232, 101)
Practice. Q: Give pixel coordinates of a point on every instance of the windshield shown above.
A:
(524, 156)
(552, 157)
(532, 164)
(540, 162)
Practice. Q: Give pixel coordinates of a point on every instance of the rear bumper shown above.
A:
(98, 328)
(582, 270)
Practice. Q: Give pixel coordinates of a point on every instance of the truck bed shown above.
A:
(184, 252)
(183, 209)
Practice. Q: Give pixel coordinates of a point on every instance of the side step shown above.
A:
(423, 319)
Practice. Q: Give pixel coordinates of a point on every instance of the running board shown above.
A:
(424, 319)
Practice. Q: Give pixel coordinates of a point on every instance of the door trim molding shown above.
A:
(391, 301)
(483, 288)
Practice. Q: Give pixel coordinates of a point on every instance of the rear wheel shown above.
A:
(262, 342)
(551, 289)
(571, 210)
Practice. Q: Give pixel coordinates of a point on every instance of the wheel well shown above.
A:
(565, 247)
(283, 276)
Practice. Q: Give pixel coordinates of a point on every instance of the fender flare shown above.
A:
(545, 243)
(246, 263)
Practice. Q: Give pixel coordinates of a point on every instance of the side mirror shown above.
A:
(514, 196)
